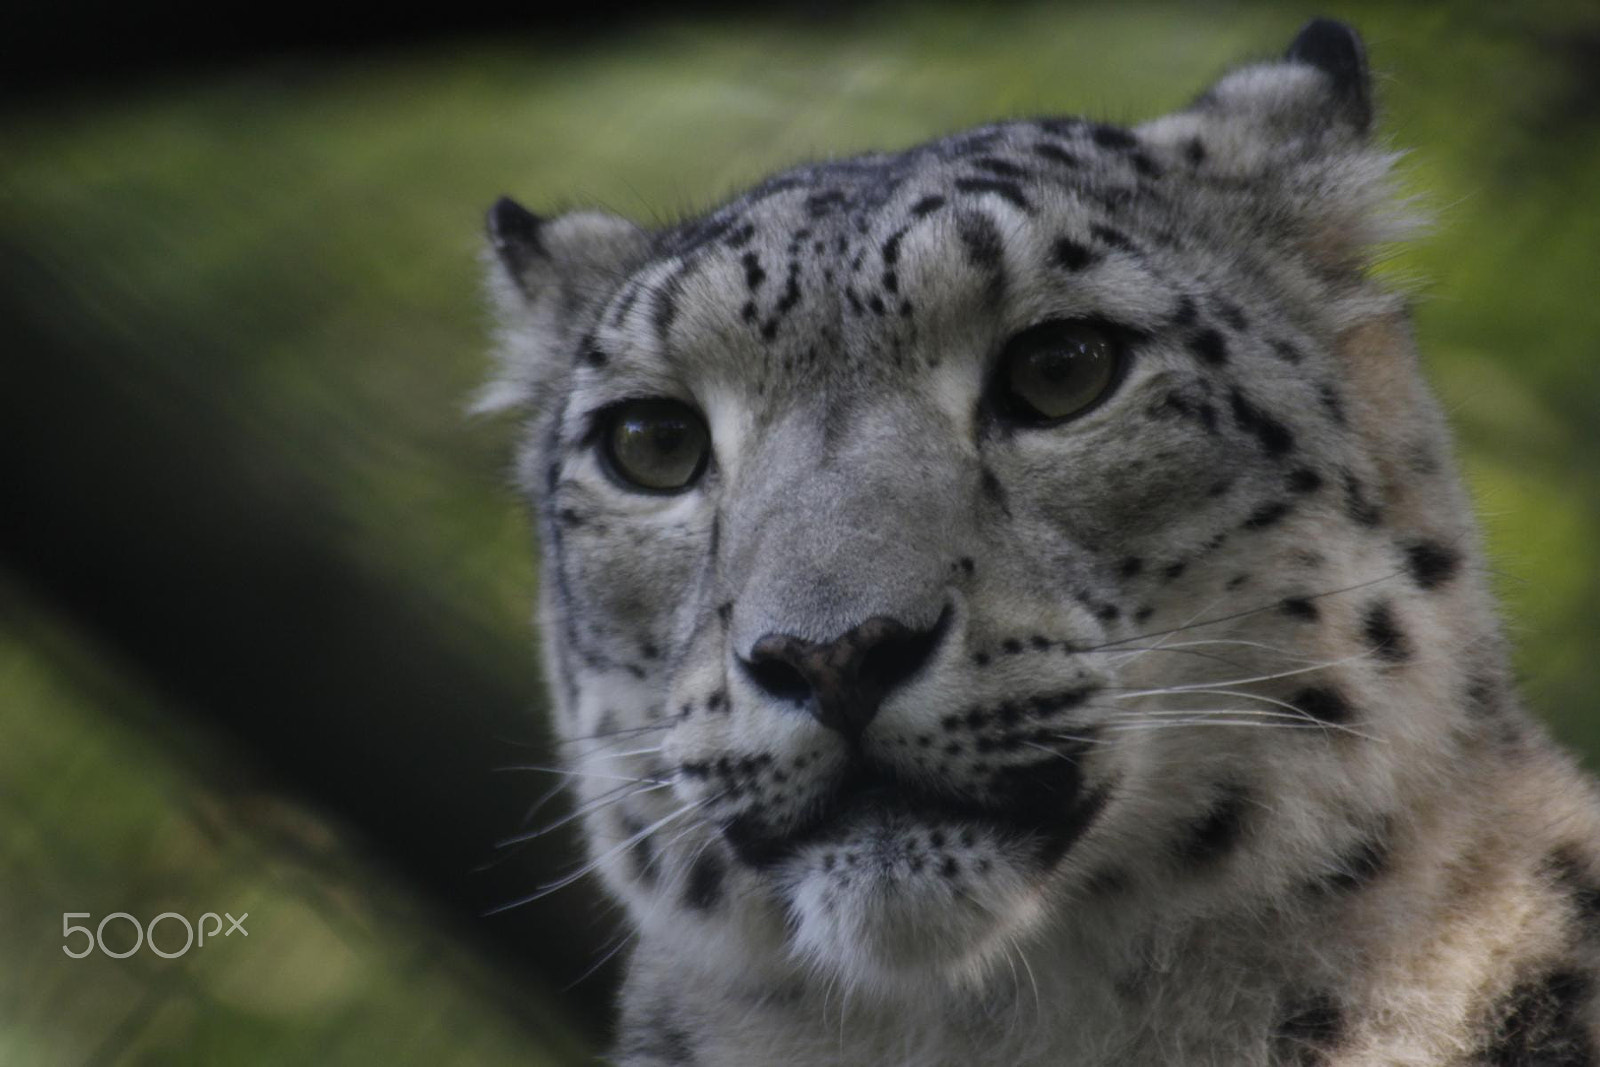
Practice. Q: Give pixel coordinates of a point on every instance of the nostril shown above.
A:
(776, 677)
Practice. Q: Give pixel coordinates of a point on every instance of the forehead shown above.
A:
(878, 260)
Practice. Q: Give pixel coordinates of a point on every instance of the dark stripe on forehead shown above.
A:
(666, 301)
(1007, 190)
(630, 295)
(980, 239)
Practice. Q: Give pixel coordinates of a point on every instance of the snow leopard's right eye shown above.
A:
(657, 445)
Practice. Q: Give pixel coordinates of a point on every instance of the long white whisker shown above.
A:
(633, 752)
(1220, 720)
(598, 861)
(605, 800)
(628, 731)
(582, 774)
(1238, 681)
(1252, 611)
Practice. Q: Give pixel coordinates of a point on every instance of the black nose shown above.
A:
(844, 681)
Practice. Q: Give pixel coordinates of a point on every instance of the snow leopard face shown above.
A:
(942, 544)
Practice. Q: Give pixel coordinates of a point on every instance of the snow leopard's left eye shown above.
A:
(1057, 370)
(658, 445)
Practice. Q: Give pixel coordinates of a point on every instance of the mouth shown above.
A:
(1040, 808)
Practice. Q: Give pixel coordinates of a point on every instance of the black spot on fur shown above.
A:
(1572, 877)
(1114, 137)
(1431, 564)
(890, 252)
(1186, 313)
(1131, 567)
(1231, 313)
(1210, 347)
(1274, 436)
(1322, 703)
(754, 275)
(703, 891)
(927, 206)
(1174, 571)
(1216, 833)
(1194, 152)
(1299, 607)
(1285, 351)
(1304, 480)
(1007, 190)
(1362, 511)
(665, 308)
(1114, 238)
(992, 489)
(826, 202)
(595, 356)
(1144, 165)
(1073, 256)
(1540, 1023)
(1383, 633)
(1055, 154)
(1268, 514)
(980, 238)
(1003, 167)
(1356, 868)
(1331, 403)
(1311, 1026)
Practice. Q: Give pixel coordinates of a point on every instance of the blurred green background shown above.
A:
(264, 594)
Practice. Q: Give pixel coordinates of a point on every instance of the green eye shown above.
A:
(1056, 370)
(658, 445)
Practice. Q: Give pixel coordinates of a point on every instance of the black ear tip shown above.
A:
(514, 232)
(1336, 50)
(511, 224)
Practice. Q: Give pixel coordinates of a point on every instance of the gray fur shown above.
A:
(1342, 843)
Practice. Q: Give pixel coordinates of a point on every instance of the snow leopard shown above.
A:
(1012, 601)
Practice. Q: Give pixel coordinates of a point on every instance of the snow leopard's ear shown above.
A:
(1318, 96)
(1298, 134)
(545, 278)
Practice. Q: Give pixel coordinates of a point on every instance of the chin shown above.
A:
(893, 904)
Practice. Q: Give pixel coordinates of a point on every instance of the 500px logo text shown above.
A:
(147, 934)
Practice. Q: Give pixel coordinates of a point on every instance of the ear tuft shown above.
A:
(1337, 51)
(514, 235)
(548, 277)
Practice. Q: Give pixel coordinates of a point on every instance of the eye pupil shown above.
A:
(658, 445)
(1056, 370)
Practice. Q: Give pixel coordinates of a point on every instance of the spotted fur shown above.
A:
(1176, 734)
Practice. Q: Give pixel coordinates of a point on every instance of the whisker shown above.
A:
(580, 774)
(622, 732)
(1189, 687)
(598, 861)
(632, 752)
(1172, 724)
(1249, 611)
(605, 800)
(610, 953)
